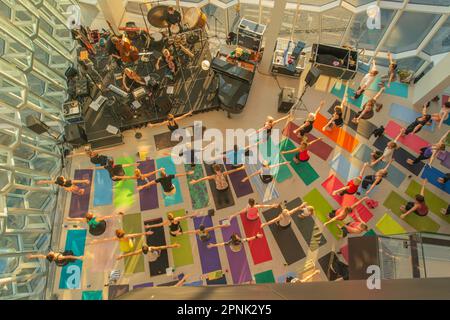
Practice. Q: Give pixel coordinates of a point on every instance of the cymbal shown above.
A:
(156, 16)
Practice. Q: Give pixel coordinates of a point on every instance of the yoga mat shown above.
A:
(338, 135)
(164, 140)
(168, 284)
(92, 295)
(388, 226)
(282, 278)
(265, 277)
(345, 253)
(364, 127)
(217, 282)
(400, 156)
(71, 273)
(322, 209)
(198, 192)
(444, 100)
(267, 192)
(241, 189)
(259, 248)
(370, 233)
(330, 264)
(395, 176)
(149, 196)
(194, 284)
(157, 239)
(286, 239)
(115, 291)
(339, 91)
(394, 201)
(412, 141)
(182, 256)
(434, 202)
(396, 88)
(333, 183)
(125, 190)
(215, 192)
(103, 190)
(79, 205)
(446, 161)
(407, 115)
(307, 227)
(345, 168)
(303, 169)
(168, 164)
(320, 148)
(271, 152)
(132, 223)
(432, 175)
(239, 268)
(209, 258)
(143, 285)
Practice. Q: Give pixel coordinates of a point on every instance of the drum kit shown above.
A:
(194, 18)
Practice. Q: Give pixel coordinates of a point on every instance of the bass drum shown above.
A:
(195, 18)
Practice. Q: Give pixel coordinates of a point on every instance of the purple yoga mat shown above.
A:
(208, 257)
(320, 148)
(446, 161)
(143, 285)
(79, 205)
(240, 188)
(240, 270)
(149, 196)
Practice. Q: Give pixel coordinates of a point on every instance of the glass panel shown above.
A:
(395, 258)
(357, 3)
(334, 24)
(441, 40)
(307, 28)
(431, 2)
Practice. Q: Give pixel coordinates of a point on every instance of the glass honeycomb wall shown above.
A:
(35, 51)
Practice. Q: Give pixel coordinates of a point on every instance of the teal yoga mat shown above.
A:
(71, 273)
(396, 89)
(271, 153)
(303, 169)
(103, 188)
(168, 164)
(92, 295)
(339, 91)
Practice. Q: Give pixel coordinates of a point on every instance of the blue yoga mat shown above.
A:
(194, 284)
(396, 89)
(407, 115)
(432, 175)
(103, 188)
(267, 192)
(168, 164)
(71, 273)
(344, 168)
(339, 91)
(395, 176)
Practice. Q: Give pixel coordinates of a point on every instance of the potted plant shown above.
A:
(405, 75)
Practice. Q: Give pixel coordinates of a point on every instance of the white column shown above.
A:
(113, 11)
(271, 35)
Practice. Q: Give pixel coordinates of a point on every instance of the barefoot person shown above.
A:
(308, 125)
(367, 80)
(270, 124)
(116, 170)
(392, 73)
(203, 233)
(367, 112)
(430, 152)
(302, 155)
(60, 259)
(418, 207)
(96, 225)
(174, 224)
(165, 181)
(235, 242)
(126, 241)
(138, 175)
(342, 213)
(353, 185)
(388, 153)
(152, 253)
(419, 123)
(171, 121)
(442, 115)
(371, 181)
(265, 173)
(68, 185)
(284, 218)
(354, 227)
(252, 210)
(337, 119)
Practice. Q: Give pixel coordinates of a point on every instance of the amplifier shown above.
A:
(139, 93)
(250, 34)
(286, 100)
(82, 88)
(72, 112)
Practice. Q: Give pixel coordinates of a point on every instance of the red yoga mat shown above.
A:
(333, 183)
(412, 141)
(259, 248)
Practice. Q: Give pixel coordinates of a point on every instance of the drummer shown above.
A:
(173, 17)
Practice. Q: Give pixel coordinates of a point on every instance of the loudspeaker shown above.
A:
(75, 135)
(312, 76)
(36, 125)
(71, 72)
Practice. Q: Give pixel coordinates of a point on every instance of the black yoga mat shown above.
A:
(215, 282)
(307, 227)
(115, 291)
(364, 127)
(168, 284)
(400, 155)
(215, 192)
(332, 267)
(157, 239)
(164, 140)
(290, 248)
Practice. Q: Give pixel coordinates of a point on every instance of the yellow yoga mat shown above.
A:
(388, 226)
(132, 223)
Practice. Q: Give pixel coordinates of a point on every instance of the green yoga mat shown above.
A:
(265, 277)
(434, 203)
(388, 226)
(322, 208)
(92, 295)
(182, 256)
(199, 191)
(125, 191)
(394, 201)
(132, 223)
(303, 169)
(271, 153)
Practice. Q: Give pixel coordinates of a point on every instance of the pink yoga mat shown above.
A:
(333, 183)
(412, 141)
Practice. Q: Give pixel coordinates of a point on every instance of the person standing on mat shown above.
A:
(308, 125)
(138, 175)
(126, 241)
(367, 80)
(342, 213)
(265, 173)
(235, 242)
(174, 223)
(419, 206)
(95, 223)
(68, 185)
(388, 153)
(337, 119)
(392, 73)
(367, 112)
(284, 218)
(430, 152)
(116, 170)
(354, 227)
(419, 123)
(220, 178)
(443, 114)
(203, 233)
(302, 151)
(151, 252)
(353, 185)
(165, 181)
(270, 124)
(60, 259)
(96, 158)
(236, 157)
(371, 181)
(252, 210)
(172, 122)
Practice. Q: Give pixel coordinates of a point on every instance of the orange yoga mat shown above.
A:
(338, 135)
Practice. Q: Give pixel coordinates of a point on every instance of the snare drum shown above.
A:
(175, 29)
(195, 18)
(157, 37)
